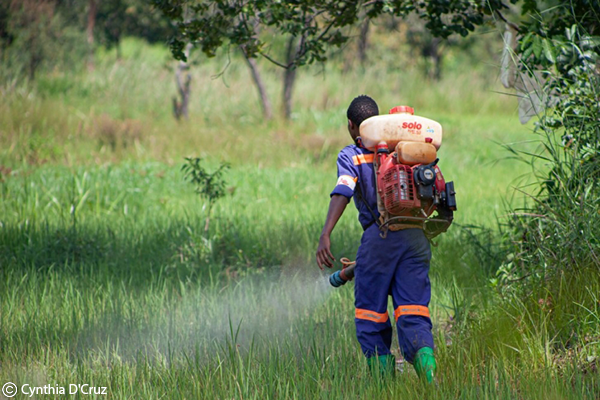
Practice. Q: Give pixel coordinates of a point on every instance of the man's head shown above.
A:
(361, 108)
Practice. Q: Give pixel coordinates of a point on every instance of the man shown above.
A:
(397, 265)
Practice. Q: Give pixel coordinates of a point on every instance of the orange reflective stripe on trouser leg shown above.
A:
(412, 309)
(371, 315)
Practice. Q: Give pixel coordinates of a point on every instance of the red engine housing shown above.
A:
(398, 191)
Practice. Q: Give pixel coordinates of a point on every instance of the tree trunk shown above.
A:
(432, 56)
(436, 56)
(363, 42)
(264, 99)
(35, 58)
(289, 77)
(180, 108)
(91, 22)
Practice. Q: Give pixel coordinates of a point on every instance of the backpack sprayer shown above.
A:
(410, 185)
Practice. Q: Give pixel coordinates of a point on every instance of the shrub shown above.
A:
(560, 231)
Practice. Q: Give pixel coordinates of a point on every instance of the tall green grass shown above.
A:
(75, 118)
(108, 278)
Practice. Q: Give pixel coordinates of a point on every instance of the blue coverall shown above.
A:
(397, 265)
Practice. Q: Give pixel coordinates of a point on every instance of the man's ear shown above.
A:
(352, 130)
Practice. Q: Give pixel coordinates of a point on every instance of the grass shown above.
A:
(107, 277)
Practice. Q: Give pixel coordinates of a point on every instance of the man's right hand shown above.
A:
(337, 205)
(324, 256)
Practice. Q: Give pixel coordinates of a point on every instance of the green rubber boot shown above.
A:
(382, 365)
(425, 364)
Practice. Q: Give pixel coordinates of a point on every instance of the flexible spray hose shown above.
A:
(339, 278)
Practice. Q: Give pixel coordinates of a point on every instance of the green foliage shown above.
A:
(36, 35)
(560, 231)
(210, 186)
(320, 25)
(554, 240)
(44, 35)
(117, 19)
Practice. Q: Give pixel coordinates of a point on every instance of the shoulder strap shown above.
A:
(358, 192)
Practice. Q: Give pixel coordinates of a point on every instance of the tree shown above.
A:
(91, 22)
(260, 86)
(317, 24)
(180, 107)
(258, 82)
(118, 18)
(36, 34)
(44, 34)
(210, 186)
(429, 48)
(289, 75)
(312, 27)
(363, 41)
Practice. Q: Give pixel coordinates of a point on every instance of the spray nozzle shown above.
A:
(339, 278)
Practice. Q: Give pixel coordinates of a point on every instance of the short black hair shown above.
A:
(361, 108)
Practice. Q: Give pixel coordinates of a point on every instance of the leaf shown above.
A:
(590, 41)
(527, 52)
(571, 32)
(537, 47)
(526, 40)
(549, 51)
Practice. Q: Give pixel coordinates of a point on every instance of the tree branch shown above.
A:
(279, 64)
(503, 18)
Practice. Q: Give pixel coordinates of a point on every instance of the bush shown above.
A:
(560, 231)
(37, 36)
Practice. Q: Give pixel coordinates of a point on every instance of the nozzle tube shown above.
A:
(339, 278)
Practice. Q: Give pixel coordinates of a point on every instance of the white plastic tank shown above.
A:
(400, 125)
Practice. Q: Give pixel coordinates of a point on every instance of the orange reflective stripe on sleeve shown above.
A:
(411, 310)
(371, 315)
(362, 159)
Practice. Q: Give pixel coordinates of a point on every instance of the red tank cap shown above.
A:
(402, 109)
(428, 140)
(382, 147)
